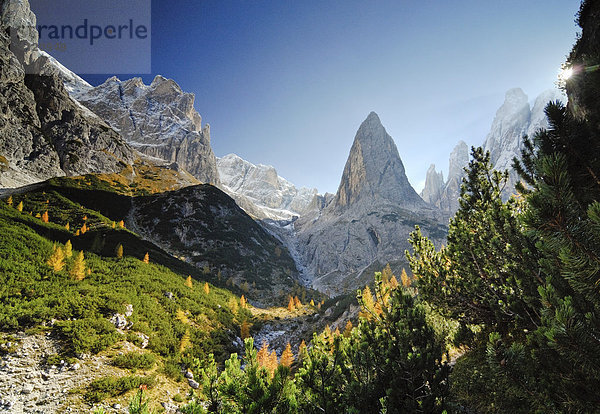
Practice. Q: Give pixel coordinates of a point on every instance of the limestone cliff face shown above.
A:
(43, 132)
(514, 119)
(444, 195)
(343, 239)
(434, 185)
(374, 170)
(158, 120)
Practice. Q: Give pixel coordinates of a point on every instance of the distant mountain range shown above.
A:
(514, 119)
(260, 191)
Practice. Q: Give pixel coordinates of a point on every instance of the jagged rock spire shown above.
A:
(374, 170)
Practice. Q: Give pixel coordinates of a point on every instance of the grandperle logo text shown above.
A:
(93, 32)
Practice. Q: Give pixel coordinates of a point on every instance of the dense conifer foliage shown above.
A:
(522, 275)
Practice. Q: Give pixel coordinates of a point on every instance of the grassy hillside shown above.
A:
(33, 294)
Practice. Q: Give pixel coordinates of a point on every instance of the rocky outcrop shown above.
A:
(44, 133)
(158, 120)
(367, 223)
(444, 195)
(260, 191)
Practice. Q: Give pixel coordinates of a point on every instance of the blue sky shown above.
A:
(287, 83)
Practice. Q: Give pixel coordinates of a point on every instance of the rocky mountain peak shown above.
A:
(459, 158)
(159, 120)
(374, 169)
(20, 21)
(444, 195)
(434, 185)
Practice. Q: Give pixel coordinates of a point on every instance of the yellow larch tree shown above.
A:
(20, 206)
(393, 282)
(119, 250)
(9, 201)
(287, 357)
(301, 349)
(233, 305)
(68, 249)
(297, 303)
(386, 274)
(146, 258)
(243, 302)
(188, 282)
(68, 226)
(121, 224)
(348, 329)
(312, 302)
(185, 341)
(57, 259)
(84, 228)
(245, 330)
(181, 317)
(78, 268)
(290, 305)
(367, 303)
(406, 282)
(206, 288)
(45, 217)
(262, 356)
(272, 363)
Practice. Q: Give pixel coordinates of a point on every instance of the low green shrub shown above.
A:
(106, 387)
(134, 360)
(89, 334)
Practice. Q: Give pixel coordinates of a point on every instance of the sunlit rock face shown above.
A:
(260, 191)
(158, 120)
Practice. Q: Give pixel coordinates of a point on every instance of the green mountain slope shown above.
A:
(33, 294)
